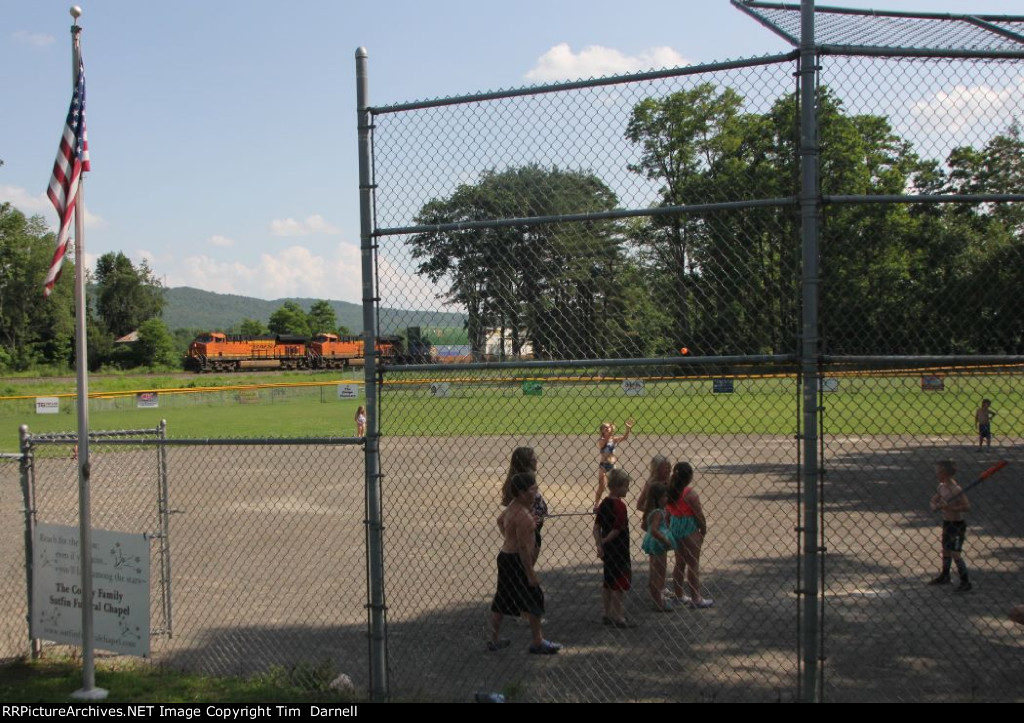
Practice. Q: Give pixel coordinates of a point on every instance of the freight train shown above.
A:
(218, 352)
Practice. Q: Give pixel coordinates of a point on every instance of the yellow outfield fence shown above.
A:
(329, 390)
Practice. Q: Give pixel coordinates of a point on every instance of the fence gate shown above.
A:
(129, 492)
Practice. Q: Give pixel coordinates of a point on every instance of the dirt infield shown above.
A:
(268, 568)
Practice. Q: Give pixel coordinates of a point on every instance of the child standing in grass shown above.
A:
(360, 420)
(611, 533)
(950, 499)
(657, 543)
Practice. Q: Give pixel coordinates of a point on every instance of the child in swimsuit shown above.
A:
(606, 444)
(361, 421)
(657, 542)
(688, 527)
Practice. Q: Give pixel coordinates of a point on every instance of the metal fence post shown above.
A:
(164, 507)
(28, 493)
(809, 213)
(374, 526)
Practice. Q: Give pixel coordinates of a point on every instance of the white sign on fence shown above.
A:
(830, 384)
(348, 391)
(633, 387)
(440, 389)
(120, 589)
(47, 405)
(147, 400)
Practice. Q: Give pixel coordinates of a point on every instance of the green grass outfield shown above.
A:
(861, 405)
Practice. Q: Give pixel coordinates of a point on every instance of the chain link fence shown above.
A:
(13, 601)
(442, 495)
(638, 247)
(642, 248)
(257, 547)
(888, 634)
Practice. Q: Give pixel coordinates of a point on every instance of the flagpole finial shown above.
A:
(76, 11)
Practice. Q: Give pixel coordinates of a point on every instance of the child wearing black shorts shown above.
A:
(611, 533)
(950, 499)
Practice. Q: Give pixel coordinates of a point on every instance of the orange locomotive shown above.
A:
(218, 352)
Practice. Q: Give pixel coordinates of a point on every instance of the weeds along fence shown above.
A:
(850, 206)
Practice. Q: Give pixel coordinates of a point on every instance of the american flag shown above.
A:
(72, 161)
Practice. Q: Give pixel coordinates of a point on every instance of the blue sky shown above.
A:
(222, 133)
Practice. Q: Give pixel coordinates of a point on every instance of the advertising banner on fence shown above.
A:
(147, 400)
(633, 387)
(348, 391)
(722, 386)
(533, 389)
(47, 405)
(120, 589)
(440, 389)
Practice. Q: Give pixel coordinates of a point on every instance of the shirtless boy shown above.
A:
(983, 421)
(949, 498)
(519, 590)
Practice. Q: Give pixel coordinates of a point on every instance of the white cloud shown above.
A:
(218, 240)
(561, 63)
(315, 224)
(37, 40)
(295, 271)
(39, 204)
(979, 109)
(25, 202)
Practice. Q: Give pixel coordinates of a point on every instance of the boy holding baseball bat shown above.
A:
(950, 499)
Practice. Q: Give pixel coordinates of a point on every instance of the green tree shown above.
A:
(550, 284)
(977, 251)
(731, 279)
(155, 345)
(252, 327)
(33, 330)
(321, 317)
(289, 319)
(126, 295)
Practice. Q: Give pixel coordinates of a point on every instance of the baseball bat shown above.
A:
(981, 478)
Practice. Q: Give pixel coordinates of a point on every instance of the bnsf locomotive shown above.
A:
(217, 352)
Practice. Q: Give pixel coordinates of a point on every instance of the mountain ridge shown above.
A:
(190, 308)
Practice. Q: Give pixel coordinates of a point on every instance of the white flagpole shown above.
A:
(88, 691)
